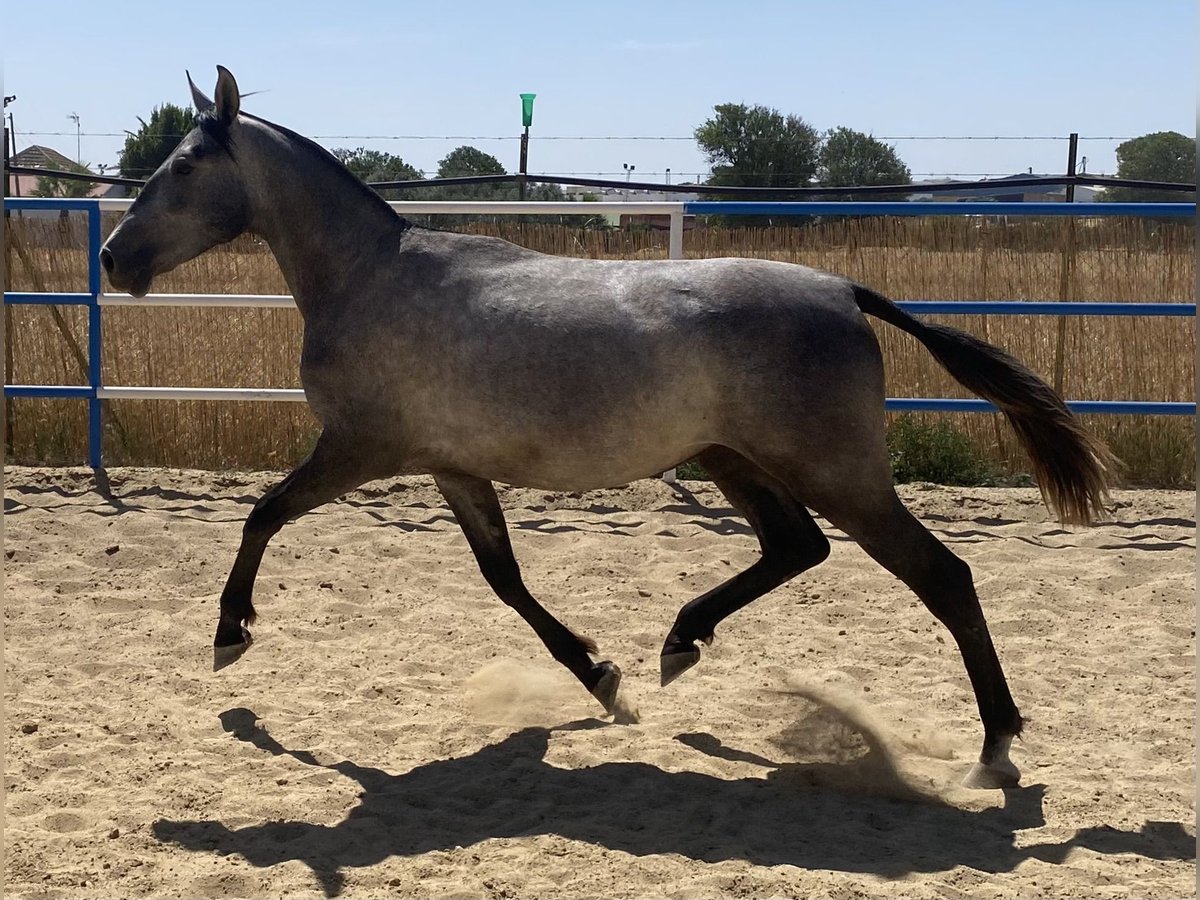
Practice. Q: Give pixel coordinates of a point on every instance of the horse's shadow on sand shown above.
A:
(853, 816)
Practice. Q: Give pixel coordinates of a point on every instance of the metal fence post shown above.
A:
(1066, 273)
(95, 407)
(675, 250)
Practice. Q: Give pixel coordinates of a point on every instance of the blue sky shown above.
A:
(343, 71)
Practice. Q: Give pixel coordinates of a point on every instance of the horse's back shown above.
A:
(505, 279)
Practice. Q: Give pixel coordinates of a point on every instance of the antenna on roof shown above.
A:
(74, 117)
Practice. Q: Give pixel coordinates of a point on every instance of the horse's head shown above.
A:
(196, 200)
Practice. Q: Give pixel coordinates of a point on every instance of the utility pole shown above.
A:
(628, 172)
(526, 120)
(1072, 152)
(8, 136)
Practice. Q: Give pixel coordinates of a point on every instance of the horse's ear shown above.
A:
(201, 102)
(228, 100)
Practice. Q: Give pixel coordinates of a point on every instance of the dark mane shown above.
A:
(212, 126)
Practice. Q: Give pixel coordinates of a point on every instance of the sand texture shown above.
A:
(397, 731)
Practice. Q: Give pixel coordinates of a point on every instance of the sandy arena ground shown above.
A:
(397, 731)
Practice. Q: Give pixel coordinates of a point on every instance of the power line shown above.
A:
(998, 137)
(675, 172)
(601, 137)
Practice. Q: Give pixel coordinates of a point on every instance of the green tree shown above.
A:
(545, 192)
(49, 186)
(375, 165)
(850, 158)
(755, 146)
(465, 162)
(147, 148)
(1161, 156)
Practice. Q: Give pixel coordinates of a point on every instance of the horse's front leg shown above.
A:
(477, 509)
(330, 470)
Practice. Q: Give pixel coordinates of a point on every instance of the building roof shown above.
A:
(39, 157)
(36, 156)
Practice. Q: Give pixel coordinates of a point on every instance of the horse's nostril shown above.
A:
(106, 260)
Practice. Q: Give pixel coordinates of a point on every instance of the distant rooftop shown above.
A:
(36, 156)
(39, 157)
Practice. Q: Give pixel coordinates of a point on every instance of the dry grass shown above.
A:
(947, 258)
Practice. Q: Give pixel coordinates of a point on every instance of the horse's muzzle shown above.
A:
(124, 278)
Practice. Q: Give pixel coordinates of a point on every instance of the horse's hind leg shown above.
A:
(475, 506)
(791, 542)
(330, 470)
(876, 519)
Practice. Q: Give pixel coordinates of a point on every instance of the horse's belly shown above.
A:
(596, 455)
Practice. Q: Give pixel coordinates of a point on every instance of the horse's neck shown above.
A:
(318, 222)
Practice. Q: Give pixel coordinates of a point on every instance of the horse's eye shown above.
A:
(180, 166)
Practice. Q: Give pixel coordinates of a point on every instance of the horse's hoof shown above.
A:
(672, 665)
(224, 656)
(606, 688)
(999, 772)
(997, 775)
(607, 691)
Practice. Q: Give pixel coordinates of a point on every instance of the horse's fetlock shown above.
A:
(589, 645)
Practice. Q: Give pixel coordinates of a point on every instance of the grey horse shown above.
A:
(474, 360)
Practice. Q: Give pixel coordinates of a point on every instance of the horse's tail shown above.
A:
(1071, 466)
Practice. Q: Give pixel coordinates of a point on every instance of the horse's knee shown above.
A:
(264, 520)
(794, 557)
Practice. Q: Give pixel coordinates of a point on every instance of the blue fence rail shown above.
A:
(94, 392)
(934, 208)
